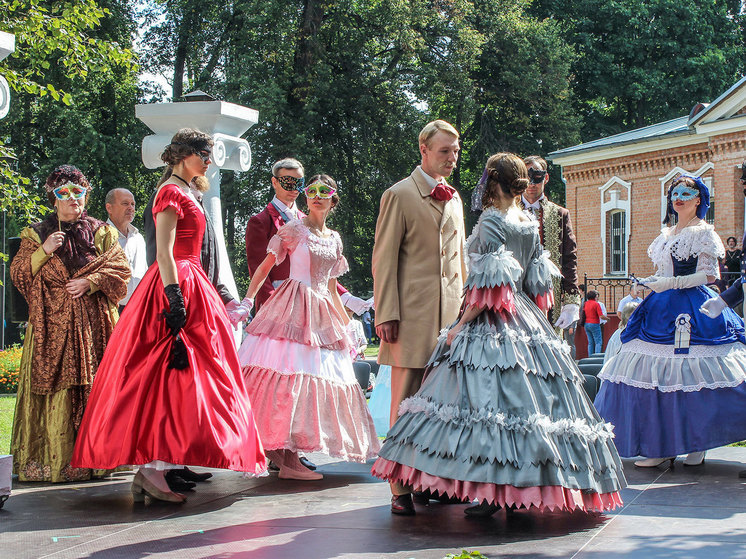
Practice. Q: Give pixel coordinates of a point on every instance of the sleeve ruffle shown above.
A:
(491, 280)
(285, 240)
(341, 266)
(170, 196)
(538, 280)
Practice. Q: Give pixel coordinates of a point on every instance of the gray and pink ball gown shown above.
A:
(502, 416)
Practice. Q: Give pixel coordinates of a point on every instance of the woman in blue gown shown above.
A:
(677, 384)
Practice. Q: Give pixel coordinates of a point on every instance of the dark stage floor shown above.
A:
(688, 512)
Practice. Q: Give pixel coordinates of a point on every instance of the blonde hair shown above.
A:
(432, 128)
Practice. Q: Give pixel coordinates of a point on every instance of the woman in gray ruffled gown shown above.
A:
(502, 416)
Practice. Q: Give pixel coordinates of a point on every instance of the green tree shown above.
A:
(57, 55)
(642, 62)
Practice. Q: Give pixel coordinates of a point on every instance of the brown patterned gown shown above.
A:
(65, 340)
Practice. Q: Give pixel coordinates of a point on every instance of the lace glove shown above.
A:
(568, 314)
(713, 307)
(239, 312)
(355, 304)
(176, 314)
(175, 320)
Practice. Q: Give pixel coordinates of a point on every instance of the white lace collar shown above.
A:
(691, 241)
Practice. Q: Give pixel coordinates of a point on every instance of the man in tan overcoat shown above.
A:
(418, 269)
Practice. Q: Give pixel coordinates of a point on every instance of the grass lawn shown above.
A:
(7, 406)
(371, 351)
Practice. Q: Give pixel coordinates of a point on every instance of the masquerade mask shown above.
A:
(292, 183)
(319, 189)
(204, 155)
(683, 193)
(69, 191)
(535, 176)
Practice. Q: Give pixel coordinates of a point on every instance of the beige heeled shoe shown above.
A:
(655, 462)
(142, 486)
(293, 469)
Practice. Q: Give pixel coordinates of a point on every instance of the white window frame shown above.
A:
(614, 204)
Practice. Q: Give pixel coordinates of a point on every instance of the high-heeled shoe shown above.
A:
(482, 510)
(695, 458)
(654, 462)
(142, 486)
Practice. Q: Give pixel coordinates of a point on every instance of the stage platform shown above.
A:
(686, 512)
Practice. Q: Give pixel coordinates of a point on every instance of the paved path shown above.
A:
(697, 512)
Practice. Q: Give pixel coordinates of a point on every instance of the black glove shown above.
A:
(176, 314)
(175, 320)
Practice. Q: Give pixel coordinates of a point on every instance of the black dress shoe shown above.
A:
(177, 483)
(402, 505)
(307, 463)
(422, 497)
(742, 474)
(188, 475)
(482, 510)
(273, 467)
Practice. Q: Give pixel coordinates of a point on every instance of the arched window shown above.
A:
(615, 225)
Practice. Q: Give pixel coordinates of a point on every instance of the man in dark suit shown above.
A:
(555, 230)
(287, 182)
(183, 478)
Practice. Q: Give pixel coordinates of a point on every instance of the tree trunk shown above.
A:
(305, 51)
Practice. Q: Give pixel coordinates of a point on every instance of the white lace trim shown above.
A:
(641, 366)
(692, 241)
(695, 351)
(675, 387)
(536, 422)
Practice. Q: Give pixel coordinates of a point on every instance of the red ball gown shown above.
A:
(140, 410)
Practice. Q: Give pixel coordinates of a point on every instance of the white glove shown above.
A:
(568, 314)
(355, 304)
(643, 282)
(240, 312)
(660, 284)
(713, 307)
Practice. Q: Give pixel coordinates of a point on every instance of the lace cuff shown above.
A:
(286, 240)
(709, 265)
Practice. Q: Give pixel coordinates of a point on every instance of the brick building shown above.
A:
(616, 187)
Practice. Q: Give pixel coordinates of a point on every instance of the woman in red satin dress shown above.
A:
(169, 390)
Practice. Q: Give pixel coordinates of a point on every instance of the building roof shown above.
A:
(675, 127)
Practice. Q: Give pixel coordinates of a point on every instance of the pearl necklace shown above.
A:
(677, 230)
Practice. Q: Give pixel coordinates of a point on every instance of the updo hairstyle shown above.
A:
(507, 172)
(62, 175)
(183, 144)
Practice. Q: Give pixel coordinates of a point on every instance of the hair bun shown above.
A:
(519, 186)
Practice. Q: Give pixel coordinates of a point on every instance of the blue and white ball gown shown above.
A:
(502, 415)
(665, 400)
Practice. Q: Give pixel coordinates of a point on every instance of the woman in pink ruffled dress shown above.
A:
(296, 357)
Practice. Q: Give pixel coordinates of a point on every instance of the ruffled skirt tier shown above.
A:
(300, 378)
(502, 416)
(296, 312)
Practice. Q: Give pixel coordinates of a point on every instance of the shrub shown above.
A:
(10, 362)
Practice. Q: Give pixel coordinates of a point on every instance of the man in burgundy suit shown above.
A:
(287, 182)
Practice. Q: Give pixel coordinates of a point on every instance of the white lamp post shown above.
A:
(225, 122)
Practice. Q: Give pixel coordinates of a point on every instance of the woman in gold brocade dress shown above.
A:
(72, 272)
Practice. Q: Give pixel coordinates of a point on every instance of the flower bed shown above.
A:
(10, 361)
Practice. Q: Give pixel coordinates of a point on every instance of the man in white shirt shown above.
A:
(120, 205)
(633, 297)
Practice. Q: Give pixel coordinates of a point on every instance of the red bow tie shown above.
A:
(443, 192)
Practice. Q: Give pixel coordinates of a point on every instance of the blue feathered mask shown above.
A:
(695, 182)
